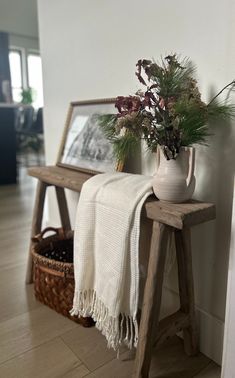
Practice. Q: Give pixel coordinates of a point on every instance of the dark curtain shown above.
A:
(5, 76)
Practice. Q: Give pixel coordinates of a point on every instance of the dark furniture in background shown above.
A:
(8, 169)
(38, 123)
(5, 76)
(29, 133)
(21, 135)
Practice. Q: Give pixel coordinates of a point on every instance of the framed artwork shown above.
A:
(84, 147)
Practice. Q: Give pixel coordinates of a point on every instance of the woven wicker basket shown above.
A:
(54, 280)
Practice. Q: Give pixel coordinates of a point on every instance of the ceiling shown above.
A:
(19, 17)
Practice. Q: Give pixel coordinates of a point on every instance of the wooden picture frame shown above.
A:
(84, 146)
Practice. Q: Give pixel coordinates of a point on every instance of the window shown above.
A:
(26, 72)
(35, 78)
(16, 74)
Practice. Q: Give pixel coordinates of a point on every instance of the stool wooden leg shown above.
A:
(36, 224)
(63, 208)
(152, 300)
(186, 288)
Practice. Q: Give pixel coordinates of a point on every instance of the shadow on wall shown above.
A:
(215, 167)
(133, 164)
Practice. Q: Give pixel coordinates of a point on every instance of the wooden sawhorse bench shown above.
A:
(166, 219)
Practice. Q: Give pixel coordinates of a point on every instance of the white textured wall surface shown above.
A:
(89, 50)
(229, 334)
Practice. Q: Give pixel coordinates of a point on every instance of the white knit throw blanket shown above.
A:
(106, 254)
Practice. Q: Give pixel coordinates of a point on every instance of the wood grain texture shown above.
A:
(77, 372)
(152, 300)
(60, 176)
(211, 371)
(181, 214)
(65, 133)
(12, 281)
(29, 330)
(169, 361)
(175, 215)
(170, 325)
(38, 363)
(63, 208)
(15, 256)
(186, 288)
(36, 224)
(90, 346)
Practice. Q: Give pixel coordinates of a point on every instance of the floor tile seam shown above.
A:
(35, 347)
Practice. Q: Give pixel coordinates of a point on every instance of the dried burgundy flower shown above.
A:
(127, 105)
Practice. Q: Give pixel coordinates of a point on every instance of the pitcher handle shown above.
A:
(158, 157)
(191, 166)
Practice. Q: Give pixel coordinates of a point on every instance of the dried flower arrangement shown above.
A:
(169, 112)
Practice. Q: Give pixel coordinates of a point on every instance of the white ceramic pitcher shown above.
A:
(174, 180)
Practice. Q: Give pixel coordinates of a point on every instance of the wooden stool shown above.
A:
(166, 218)
(60, 178)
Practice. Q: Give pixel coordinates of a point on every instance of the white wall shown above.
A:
(90, 51)
(229, 334)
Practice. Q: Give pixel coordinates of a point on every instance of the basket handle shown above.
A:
(54, 272)
(39, 237)
(51, 271)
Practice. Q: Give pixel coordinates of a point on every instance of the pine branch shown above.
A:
(125, 146)
(169, 113)
(107, 123)
(232, 84)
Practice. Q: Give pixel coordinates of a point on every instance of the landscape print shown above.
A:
(86, 146)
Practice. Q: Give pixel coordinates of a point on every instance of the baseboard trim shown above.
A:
(211, 329)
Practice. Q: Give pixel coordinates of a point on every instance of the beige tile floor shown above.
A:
(36, 342)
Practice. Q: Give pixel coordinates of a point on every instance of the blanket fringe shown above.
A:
(117, 330)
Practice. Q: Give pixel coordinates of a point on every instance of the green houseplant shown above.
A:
(169, 113)
(27, 96)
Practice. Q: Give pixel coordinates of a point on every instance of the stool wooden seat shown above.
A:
(60, 176)
(167, 219)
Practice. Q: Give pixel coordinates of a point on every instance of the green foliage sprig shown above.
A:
(169, 112)
(27, 96)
